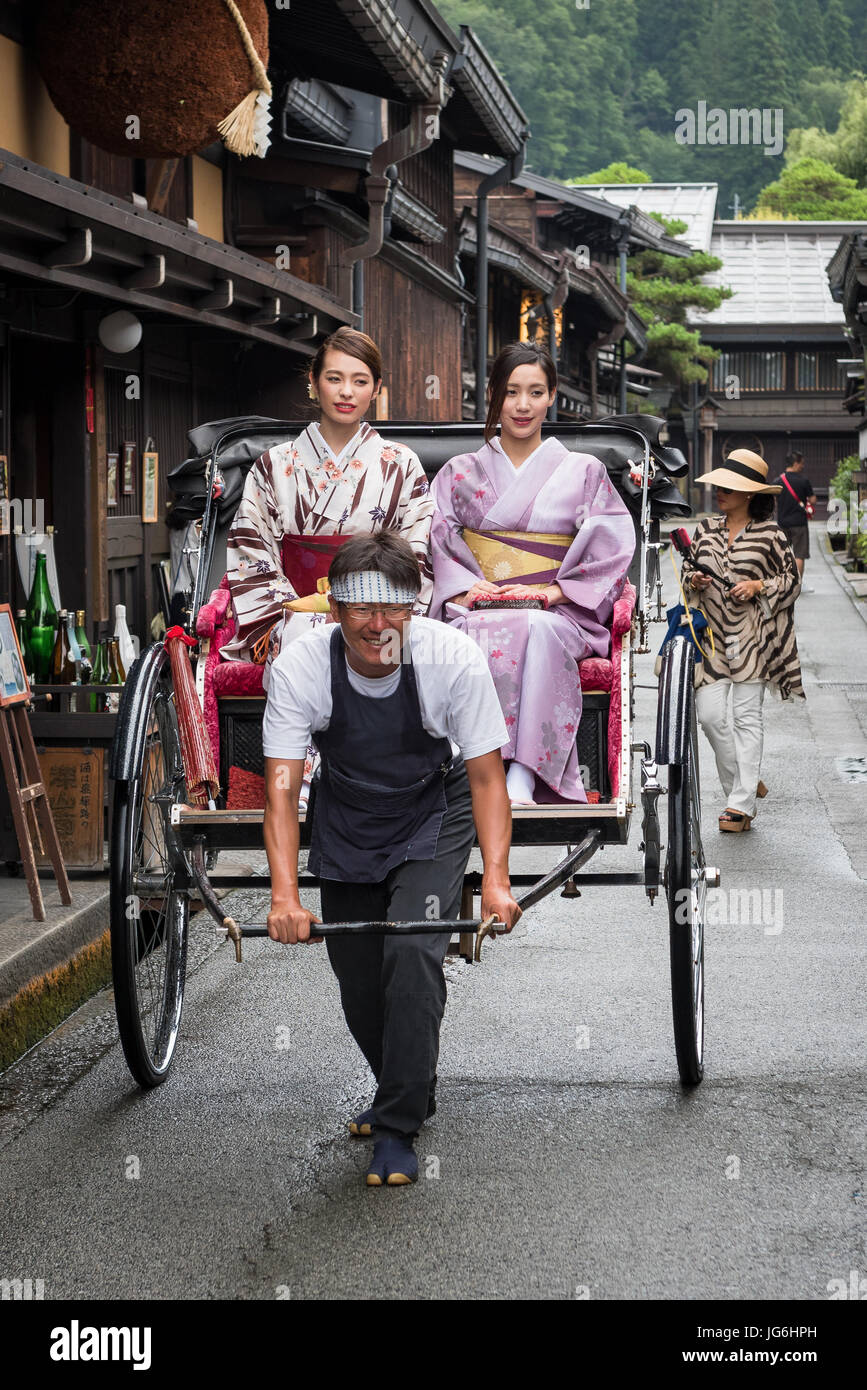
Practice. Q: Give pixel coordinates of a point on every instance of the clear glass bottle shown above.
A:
(125, 647)
(75, 654)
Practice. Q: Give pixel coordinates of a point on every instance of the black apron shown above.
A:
(381, 795)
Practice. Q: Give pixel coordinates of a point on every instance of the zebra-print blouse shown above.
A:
(754, 641)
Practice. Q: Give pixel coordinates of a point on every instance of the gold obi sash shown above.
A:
(531, 558)
(311, 603)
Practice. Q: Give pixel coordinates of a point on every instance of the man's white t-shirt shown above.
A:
(456, 692)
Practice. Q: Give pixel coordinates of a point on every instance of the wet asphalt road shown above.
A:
(564, 1160)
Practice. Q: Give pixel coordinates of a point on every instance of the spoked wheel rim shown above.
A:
(698, 901)
(687, 897)
(150, 907)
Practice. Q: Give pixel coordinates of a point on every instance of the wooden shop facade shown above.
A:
(233, 271)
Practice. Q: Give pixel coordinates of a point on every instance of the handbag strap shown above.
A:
(688, 612)
(784, 480)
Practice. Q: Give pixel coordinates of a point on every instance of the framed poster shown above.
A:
(128, 466)
(149, 485)
(111, 462)
(14, 686)
(74, 782)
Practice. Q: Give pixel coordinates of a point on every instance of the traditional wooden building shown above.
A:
(847, 276)
(553, 263)
(359, 185)
(780, 381)
(233, 271)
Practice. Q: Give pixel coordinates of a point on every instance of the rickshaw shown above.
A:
(165, 849)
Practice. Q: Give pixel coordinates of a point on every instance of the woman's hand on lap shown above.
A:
(481, 589)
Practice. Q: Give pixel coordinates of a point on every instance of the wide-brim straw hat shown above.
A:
(743, 471)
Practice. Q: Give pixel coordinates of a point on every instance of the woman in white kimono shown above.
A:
(302, 499)
(523, 514)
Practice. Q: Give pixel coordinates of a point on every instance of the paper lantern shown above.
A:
(155, 78)
(120, 331)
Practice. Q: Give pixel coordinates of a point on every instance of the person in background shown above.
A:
(752, 622)
(792, 515)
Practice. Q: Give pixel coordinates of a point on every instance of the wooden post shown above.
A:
(98, 492)
(31, 810)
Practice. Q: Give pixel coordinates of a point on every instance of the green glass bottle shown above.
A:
(81, 635)
(24, 641)
(41, 621)
(99, 677)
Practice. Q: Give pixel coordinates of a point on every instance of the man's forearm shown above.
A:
(493, 817)
(282, 839)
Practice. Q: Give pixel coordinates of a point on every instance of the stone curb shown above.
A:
(840, 575)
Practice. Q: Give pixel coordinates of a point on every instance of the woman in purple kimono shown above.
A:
(521, 514)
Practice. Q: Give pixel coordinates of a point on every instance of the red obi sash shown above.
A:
(306, 559)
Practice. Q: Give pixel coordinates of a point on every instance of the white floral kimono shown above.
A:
(300, 502)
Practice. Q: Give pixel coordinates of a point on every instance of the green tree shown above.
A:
(811, 31)
(812, 190)
(838, 31)
(846, 147)
(614, 173)
(818, 101)
(662, 289)
(603, 85)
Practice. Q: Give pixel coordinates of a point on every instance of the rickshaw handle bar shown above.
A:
(558, 875)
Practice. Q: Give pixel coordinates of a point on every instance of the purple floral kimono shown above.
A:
(533, 654)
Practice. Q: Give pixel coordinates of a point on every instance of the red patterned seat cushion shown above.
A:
(237, 678)
(596, 673)
(233, 678)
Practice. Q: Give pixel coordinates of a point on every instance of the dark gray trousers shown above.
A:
(392, 988)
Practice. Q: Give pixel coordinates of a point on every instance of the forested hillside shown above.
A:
(605, 82)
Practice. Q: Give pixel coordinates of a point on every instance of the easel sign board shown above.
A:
(14, 688)
(73, 779)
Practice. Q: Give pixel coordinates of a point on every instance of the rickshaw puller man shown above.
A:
(410, 760)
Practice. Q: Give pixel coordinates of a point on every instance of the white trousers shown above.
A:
(730, 712)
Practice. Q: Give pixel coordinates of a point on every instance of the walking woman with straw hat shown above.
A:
(749, 605)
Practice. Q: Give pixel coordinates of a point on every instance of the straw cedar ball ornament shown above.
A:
(156, 79)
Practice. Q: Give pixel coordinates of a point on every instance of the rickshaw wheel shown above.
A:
(149, 903)
(686, 888)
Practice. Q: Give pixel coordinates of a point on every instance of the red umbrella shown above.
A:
(203, 785)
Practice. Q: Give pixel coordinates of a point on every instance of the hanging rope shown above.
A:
(688, 614)
(245, 130)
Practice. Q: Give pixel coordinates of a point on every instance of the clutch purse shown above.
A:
(528, 600)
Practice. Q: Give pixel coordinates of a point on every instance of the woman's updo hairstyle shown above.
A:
(762, 506)
(505, 362)
(354, 344)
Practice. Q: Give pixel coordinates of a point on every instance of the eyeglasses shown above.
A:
(725, 491)
(367, 610)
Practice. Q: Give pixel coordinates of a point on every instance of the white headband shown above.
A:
(371, 586)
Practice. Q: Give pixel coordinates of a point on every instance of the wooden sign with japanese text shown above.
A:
(73, 780)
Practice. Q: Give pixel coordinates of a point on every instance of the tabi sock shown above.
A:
(520, 782)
